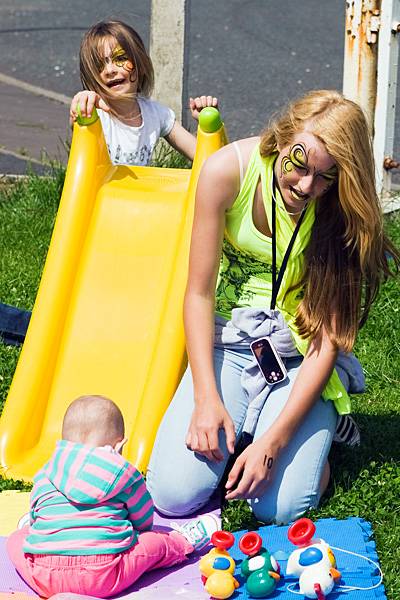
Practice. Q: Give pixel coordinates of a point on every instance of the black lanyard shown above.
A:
(276, 282)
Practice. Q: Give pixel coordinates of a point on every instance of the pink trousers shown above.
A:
(101, 575)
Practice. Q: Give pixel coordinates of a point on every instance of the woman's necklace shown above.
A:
(292, 214)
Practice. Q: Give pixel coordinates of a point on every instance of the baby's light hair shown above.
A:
(94, 420)
(91, 57)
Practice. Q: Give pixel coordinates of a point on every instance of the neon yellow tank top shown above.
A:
(245, 273)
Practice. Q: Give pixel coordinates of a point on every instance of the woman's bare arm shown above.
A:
(217, 189)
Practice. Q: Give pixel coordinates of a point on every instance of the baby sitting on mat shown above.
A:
(91, 515)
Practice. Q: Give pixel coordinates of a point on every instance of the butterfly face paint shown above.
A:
(304, 171)
(297, 158)
(117, 71)
(120, 59)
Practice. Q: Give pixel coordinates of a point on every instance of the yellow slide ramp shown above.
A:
(108, 314)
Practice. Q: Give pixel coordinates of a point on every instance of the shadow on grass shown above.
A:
(370, 469)
(380, 442)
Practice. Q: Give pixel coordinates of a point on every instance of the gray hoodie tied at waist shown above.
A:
(249, 324)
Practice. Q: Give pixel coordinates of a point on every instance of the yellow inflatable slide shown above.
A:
(108, 314)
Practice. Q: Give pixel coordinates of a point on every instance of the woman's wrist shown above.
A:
(205, 393)
(276, 437)
(204, 399)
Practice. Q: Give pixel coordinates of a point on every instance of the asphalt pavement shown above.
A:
(253, 55)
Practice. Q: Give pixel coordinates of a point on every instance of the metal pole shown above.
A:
(370, 76)
(388, 54)
(360, 54)
(169, 46)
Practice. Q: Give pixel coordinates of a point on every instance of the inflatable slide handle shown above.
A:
(210, 119)
(86, 120)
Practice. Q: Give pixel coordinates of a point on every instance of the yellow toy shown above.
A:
(108, 314)
(217, 567)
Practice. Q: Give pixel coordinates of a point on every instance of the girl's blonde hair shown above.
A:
(347, 257)
(91, 57)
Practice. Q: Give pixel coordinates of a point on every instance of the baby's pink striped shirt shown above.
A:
(87, 500)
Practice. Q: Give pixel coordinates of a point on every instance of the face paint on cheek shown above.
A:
(286, 166)
(298, 155)
(297, 158)
(120, 59)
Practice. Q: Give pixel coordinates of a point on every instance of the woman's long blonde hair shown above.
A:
(347, 257)
(91, 57)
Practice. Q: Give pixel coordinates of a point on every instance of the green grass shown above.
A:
(27, 212)
(165, 156)
(365, 482)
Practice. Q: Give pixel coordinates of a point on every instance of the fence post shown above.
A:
(169, 36)
(370, 74)
(360, 54)
(388, 53)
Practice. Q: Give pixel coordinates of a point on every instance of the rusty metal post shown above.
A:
(370, 75)
(388, 54)
(360, 54)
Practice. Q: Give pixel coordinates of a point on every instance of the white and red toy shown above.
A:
(313, 562)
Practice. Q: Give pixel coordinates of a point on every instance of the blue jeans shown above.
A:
(13, 324)
(181, 481)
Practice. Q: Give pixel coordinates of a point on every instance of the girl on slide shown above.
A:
(117, 76)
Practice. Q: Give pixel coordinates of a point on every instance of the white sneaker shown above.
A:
(198, 532)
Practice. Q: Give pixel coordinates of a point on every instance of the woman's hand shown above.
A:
(252, 471)
(197, 104)
(86, 100)
(207, 419)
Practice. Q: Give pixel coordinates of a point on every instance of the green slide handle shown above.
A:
(210, 119)
(86, 120)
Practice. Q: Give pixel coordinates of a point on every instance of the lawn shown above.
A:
(365, 482)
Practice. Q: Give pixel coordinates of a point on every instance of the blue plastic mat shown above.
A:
(352, 534)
